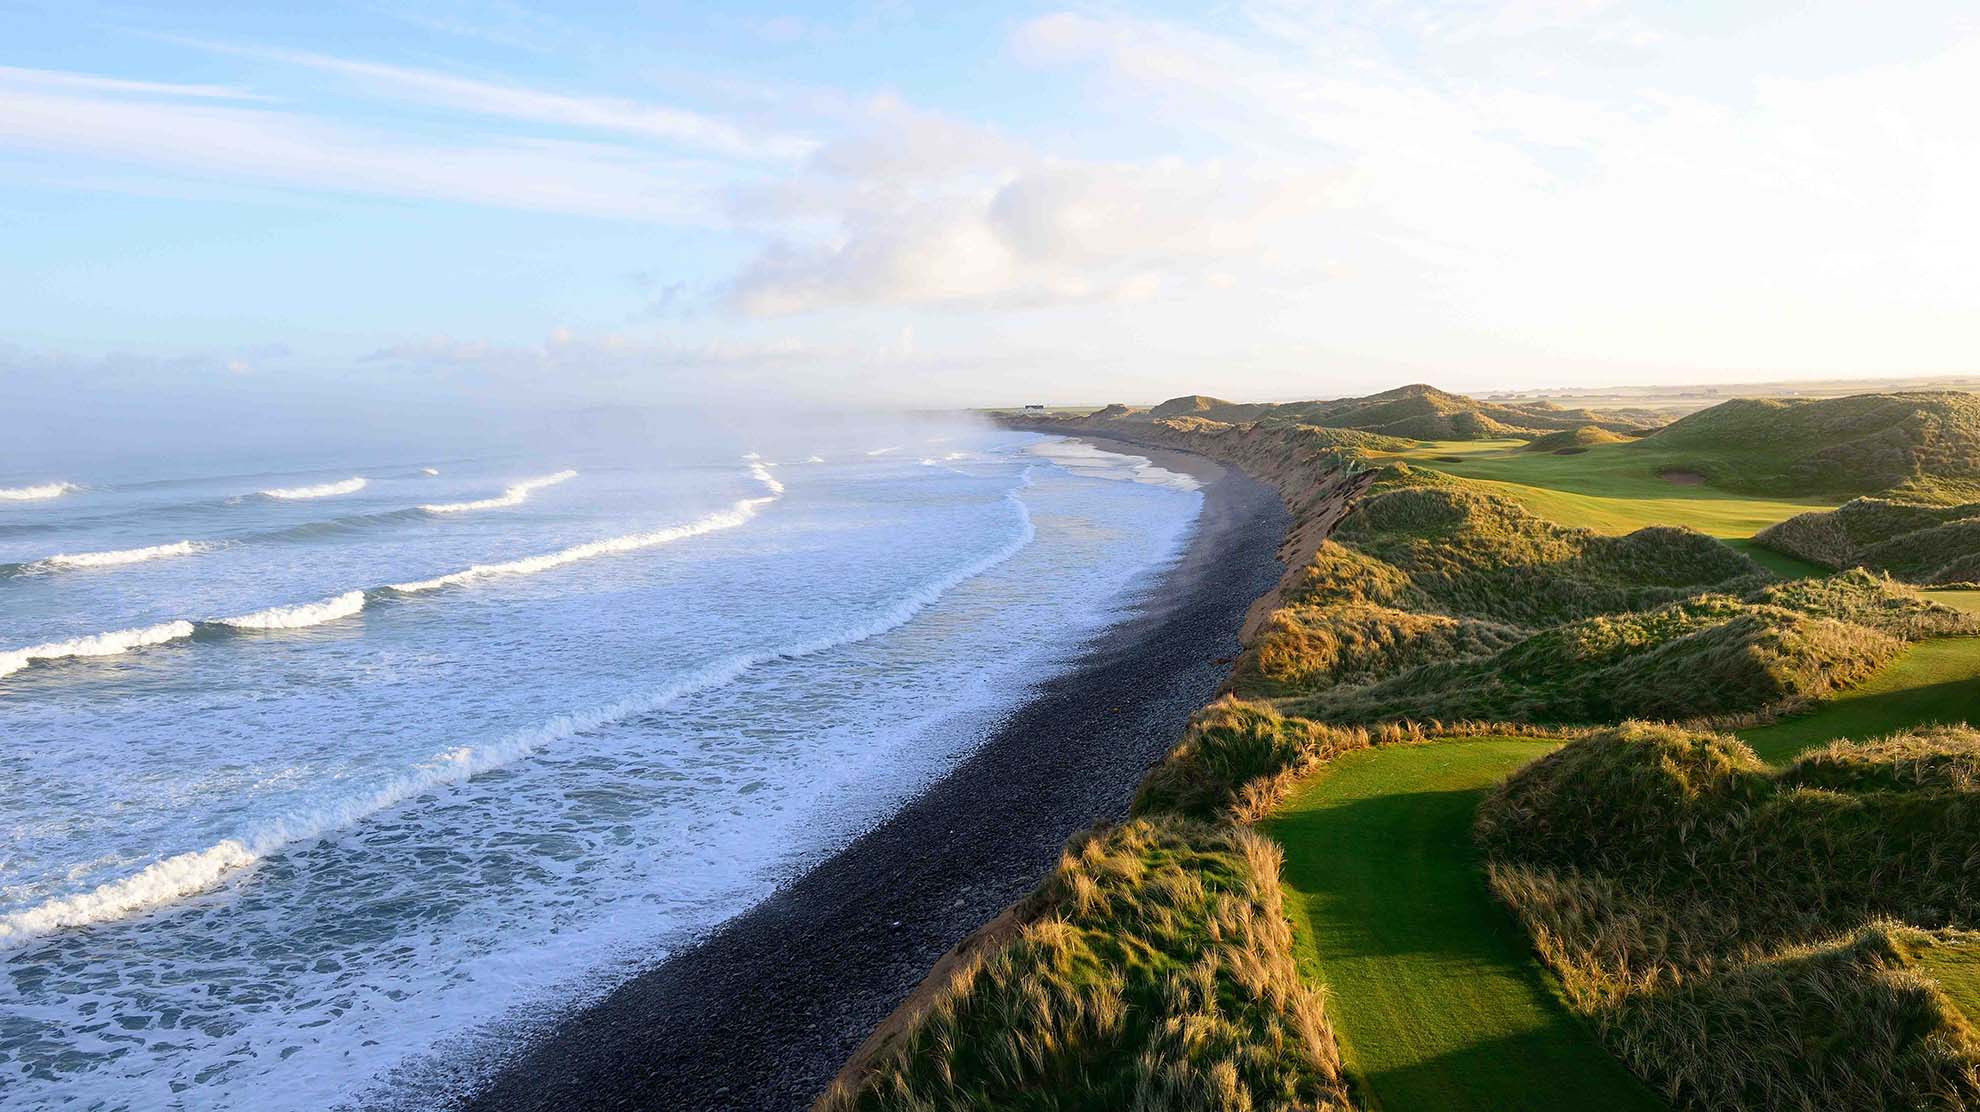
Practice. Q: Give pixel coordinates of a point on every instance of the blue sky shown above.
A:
(969, 204)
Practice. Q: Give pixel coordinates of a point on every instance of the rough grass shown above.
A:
(1432, 986)
(1922, 441)
(1154, 973)
(1743, 935)
(1710, 656)
(1587, 436)
(1740, 934)
(1918, 542)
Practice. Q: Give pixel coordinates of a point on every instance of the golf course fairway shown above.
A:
(1610, 488)
(1934, 682)
(1432, 986)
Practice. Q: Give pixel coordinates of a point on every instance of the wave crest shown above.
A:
(35, 493)
(101, 644)
(189, 873)
(299, 617)
(120, 556)
(321, 490)
(513, 495)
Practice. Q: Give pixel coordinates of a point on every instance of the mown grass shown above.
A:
(1433, 989)
(1956, 966)
(1610, 488)
(1935, 681)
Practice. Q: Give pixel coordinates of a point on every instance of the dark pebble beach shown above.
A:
(761, 1013)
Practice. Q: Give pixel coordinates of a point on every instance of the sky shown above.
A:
(485, 202)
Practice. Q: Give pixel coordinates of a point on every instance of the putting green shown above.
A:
(1611, 488)
(1433, 988)
(1935, 681)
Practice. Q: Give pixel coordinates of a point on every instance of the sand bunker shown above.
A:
(1682, 478)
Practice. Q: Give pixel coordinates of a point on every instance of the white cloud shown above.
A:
(234, 143)
(18, 77)
(666, 123)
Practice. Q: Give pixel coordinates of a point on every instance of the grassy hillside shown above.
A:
(1431, 984)
(1416, 412)
(1746, 936)
(1919, 542)
(1458, 604)
(1152, 970)
(1611, 488)
(1574, 441)
(1926, 442)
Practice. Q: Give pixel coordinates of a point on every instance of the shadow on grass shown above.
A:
(1870, 714)
(1433, 982)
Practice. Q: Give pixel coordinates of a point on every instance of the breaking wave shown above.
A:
(514, 495)
(321, 490)
(101, 644)
(298, 617)
(35, 493)
(118, 556)
(189, 873)
(529, 565)
(884, 451)
(350, 602)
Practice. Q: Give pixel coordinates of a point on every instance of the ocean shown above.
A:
(322, 778)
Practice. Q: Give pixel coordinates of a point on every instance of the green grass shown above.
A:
(1433, 989)
(1968, 601)
(1780, 563)
(1936, 681)
(1611, 488)
(1957, 969)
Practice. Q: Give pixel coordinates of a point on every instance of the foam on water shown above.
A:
(322, 867)
(100, 644)
(737, 514)
(188, 873)
(119, 556)
(1085, 459)
(320, 490)
(514, 495)
(298, 617)
(35, 493)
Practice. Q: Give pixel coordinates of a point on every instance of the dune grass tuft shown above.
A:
(1741, 933)
(1154, 972)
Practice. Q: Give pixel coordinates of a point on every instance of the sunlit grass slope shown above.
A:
(1432, 987)
(1611, 488)
(1152, 970)
(1935, 681)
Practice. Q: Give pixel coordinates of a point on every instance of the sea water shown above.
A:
(319, 783)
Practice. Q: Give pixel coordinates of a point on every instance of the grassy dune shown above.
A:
(1432, 985)
(1498, 918)
(1152, 970)
(1753, 936)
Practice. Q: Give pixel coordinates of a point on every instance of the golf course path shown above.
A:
(1432, 987)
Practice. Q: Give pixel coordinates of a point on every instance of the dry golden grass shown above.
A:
(1742, 934)
(1154, 973)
